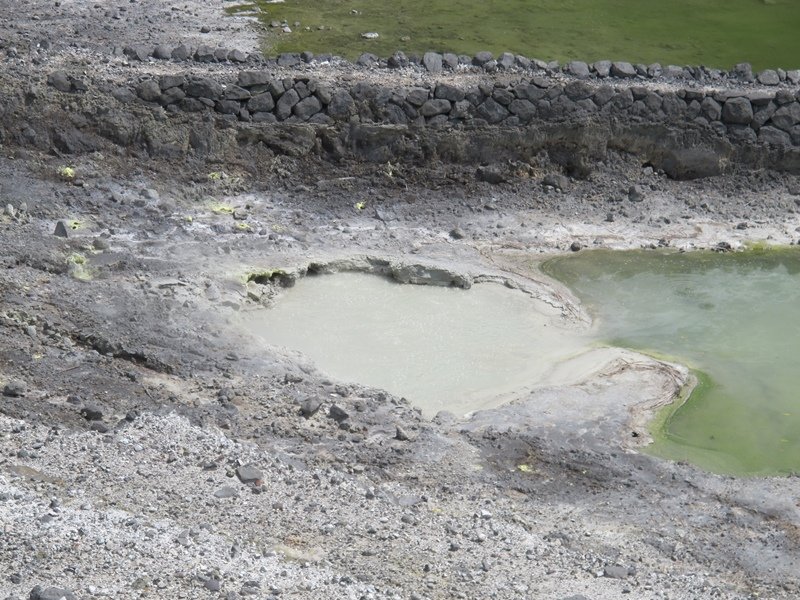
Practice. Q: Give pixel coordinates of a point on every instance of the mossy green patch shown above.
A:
(717, 33)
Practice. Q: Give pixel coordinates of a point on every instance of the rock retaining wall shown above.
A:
(744, 115)
(574, 113)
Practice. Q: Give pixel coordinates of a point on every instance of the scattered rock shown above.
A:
(636, 193)
(62, 230)
(60, 81)
(338, 414)
(91, 413)
(737, 111)
(575, 246)
(15, 388)
(457, 233)
(249, 474)
(310, 406)
(490, 174)
(400, 434)
(616, 572)
(432, 62)
(556, 181)
(226, 492)
(51, 593)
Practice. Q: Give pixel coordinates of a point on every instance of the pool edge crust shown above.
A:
(590, 368)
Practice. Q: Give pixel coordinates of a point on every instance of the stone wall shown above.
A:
(748, 114)
(687, 122)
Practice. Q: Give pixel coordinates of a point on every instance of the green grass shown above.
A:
(716, 33)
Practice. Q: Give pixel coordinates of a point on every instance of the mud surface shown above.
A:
(150, 449)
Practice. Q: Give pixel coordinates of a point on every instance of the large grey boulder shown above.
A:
(203, 87)
(769, 77)
(437, 106)
(711, 109)
(448, 92)
(261, 103)
(307, 108)
(60, 80)
(774, 136)
(492, 111)
(787, 116)
(506, 60)
(432, 62)
(602, 68)
(148, 90)
(51, 593)
(623, 70)
(737, 111)
(341, 106)
(252, 78)
(578, 69)
(481, 58)
(285, 104)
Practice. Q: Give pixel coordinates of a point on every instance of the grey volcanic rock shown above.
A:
(768, 77)
(506, 60)
(252, 78)
(623, 70)
(15, 389)
(307, 107)
(432, 62)
(492, 111)
(249, 474)
(743, 72)
(166, 82)
(524, 109)
(578, 69)
(448, 92)
(51, 593)
(417, 96)
(285, 104)
(787, 116)
(434, 107)
(234, 92)
(162, 52)
(181, 53)
(738, 111)
(261, 103)
(774, 136)
(341, 106)
(481, 58)
(711, 109)
(602, 68)
(60, 81)
(203, 87)
(149, 90)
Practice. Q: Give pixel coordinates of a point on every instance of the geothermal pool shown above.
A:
(443, 348)
(735, 319)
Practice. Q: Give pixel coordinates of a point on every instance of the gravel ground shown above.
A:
(150, 447)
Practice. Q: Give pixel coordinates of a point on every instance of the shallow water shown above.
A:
(735, 318)
(442, 348)
(717, 33)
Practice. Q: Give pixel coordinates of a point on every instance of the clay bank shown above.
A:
(153, 444)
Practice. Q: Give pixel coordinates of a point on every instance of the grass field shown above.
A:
(716, 33)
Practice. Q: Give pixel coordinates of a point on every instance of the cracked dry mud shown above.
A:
(152, 448)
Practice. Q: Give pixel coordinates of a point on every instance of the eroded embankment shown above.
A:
(240, 113)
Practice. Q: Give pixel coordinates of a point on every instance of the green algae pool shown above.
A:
(735, 319)
(717, 33)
